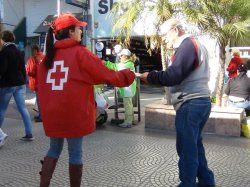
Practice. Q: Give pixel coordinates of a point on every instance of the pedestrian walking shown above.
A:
(187, 77)
(66, 80)
(3, 137)
(13, 82)
(31, 69)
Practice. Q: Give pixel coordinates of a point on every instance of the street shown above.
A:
(117, 157)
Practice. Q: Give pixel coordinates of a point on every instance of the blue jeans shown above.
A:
(190, 120)
(245, 105)
(74, 149)
(18, 93)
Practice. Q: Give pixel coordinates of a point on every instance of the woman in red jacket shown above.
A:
(31, 69)
(66, 92)
(234, 63)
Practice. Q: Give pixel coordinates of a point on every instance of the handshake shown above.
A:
(142, 76)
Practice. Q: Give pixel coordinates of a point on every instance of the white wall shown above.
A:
(103, 21)
(34, 10)
(37, 11)
(13, 12)
(101, 17)
(213, 50)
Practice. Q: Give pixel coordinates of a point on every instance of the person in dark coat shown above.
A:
(13, 81)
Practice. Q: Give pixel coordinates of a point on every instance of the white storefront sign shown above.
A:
(244, 51)
(103, 21)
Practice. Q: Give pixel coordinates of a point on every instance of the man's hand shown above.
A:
(144, 77)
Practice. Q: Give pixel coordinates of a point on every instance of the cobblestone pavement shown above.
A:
(115, 157)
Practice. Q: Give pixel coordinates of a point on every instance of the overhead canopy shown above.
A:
(44, 26)
(78, 3)
(20, 33)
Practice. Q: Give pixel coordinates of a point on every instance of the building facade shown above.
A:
(33, 13)
(29, 14)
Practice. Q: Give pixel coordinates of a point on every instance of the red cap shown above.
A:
(66, 20)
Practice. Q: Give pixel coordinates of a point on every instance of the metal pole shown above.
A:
(85, 18)
(1, 15)
(116, 103)
(138, 99)
(58, 7)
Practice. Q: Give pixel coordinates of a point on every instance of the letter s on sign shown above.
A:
(103, 6)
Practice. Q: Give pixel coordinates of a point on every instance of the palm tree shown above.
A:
(125, 14)
(224, 20)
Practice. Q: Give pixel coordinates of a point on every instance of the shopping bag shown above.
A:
(101, 100)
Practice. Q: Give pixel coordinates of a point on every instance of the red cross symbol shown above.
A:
(58, 75)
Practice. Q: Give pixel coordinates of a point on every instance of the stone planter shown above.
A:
(222, 120)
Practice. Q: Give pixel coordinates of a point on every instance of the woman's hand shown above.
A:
(103, 62)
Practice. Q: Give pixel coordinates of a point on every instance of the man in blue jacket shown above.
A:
(187, 76)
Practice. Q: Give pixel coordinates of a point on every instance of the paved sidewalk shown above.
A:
(116, 157)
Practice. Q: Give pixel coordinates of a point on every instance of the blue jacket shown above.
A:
(188, 75)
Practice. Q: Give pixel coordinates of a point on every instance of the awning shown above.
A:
(20, 33)
(44, 26)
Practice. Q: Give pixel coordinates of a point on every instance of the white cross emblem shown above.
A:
(58, 69)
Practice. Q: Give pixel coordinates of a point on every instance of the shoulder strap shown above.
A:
(196, 52)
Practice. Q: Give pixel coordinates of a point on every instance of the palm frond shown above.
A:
(125, 14)
(223, 19)
(239, 31)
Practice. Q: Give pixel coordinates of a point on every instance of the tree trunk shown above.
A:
(164, 61)
(221, 73)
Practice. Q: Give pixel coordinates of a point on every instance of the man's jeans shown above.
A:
(74, 149)
(189, 122)
(18, 93)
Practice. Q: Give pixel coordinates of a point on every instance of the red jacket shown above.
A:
(31, 69)
(233, 65)
(66, 91)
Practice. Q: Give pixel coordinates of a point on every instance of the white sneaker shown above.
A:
(2, 141)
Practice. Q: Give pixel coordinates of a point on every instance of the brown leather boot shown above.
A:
(75, 175)
(48, 167)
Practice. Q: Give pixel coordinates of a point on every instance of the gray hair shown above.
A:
(172, 23)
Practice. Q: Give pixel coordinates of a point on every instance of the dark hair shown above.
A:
(7, 36)
(242, 68)
(35, 47)
(50, 50)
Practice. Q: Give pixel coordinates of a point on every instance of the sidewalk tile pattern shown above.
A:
(119, 159)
